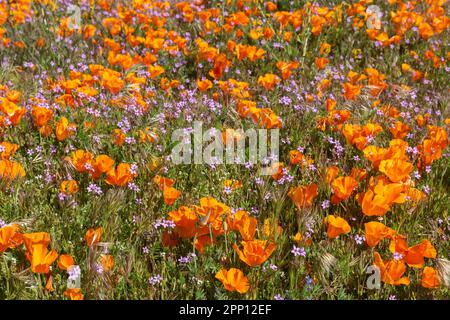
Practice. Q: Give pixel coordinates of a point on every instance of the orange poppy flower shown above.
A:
(120, 176)
(119, 137)
(69, 187)
(233, 280)
(399, 130)
(112, 82)
(11, 110)
(331, 173)
(375, 232)
(40, 258)
(79, 160)
(286, 68)
(10, 237)
(392, 271)
(325, 48)
(430, 278)
(255, 252)
(233, 184)
(358, 174)
(374, 205)
(74, 294)
(425, 30)
(414, 255)
(421, 120)
(303, 196)
(10, 170)
(41, 115)
(270, 6)
(277, 167)
(163, 182)
(45, 130)
(295, 157)
(148, 135)
(336, 226)
(396, 170)
(93, 236)
(268, 81)
(107, 262)
(155, 70)
(355, 77)
(269, 119)
(378, 201)
(210, 224)
(170, 195)
(65, 261)
(247, 227)
(438, 136)
(89, 31)
(317, 24)
(233, 220)
(343, 188)
(297, 237)
(321, 62)
(220, 64)
(13, 96)
(9, 149)
(210, 209)
(323, 85)
(358, 135)
(330, 104)
(64, 129)
(49, 283)
(250, 52)
(268, 33)
(204, 85)
(30, 239)
(102, 164)
(185, 221)
(415, 195)
(351, 91)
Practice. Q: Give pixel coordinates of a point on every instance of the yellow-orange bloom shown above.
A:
(102, 164)
(378, 201)
(336, 226)
(120, 176)
(392, 271)
(10, 237)
(170, 195)
(37, 251)
(233, 280)
(41, 115)
(430, 278)
(303, 196)
(69, 187)
(74, 294)
(269, 81)
(64, 129)
(185, 221)
(375, 232)
(93, 236)
(107, 262)
(343, 188)
(204, 85)
(65, 261)
(255, 252)
(396, 170)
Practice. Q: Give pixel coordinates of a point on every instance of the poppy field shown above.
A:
(93, 206)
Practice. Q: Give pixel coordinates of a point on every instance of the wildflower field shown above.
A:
(93, 205)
